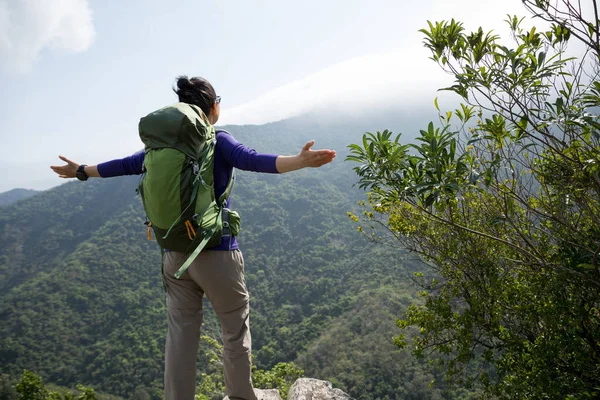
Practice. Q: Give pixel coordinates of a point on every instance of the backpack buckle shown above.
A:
(225, 222)
(195, 167)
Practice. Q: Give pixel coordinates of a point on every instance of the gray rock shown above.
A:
(264, 394)
(267, 394)
(314, 389)
(304, 389)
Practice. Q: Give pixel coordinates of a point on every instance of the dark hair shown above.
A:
(197, 91)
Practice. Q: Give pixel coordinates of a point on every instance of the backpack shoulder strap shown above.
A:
(229, 188)
(222, 204)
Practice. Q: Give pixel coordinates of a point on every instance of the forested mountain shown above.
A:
(14, 195)
(81, 298)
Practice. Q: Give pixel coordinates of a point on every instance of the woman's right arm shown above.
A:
(131, 165)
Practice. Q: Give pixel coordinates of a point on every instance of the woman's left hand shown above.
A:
(315, 158)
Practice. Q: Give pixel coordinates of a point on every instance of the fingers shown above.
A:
(65, 171)
(59, 169)
(317, 158)
(65, 159)
(324, 152)
(308, 145)
(321, 157)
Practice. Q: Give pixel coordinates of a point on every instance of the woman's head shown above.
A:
(200, 92)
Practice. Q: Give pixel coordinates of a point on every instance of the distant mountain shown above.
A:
(81, 298)
(327, 128)
(15, 195)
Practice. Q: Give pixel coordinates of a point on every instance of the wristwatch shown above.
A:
(80, 174)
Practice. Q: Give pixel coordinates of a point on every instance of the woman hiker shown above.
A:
(217, 272)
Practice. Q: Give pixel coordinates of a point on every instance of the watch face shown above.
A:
(81, 175)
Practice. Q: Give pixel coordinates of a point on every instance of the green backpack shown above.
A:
(177, 187)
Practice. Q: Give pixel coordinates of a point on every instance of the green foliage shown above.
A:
(31, 387)
(82, 299)
(502, 198)
(357, 352)
(15, 195)
(211, 379)
(7, 388)
(282, 376)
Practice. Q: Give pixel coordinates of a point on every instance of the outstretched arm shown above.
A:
(70, 168)
(131, 165)
(307, 158)
(247, 159)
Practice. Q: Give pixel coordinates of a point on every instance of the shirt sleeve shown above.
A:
(244, 158)
(130, 165)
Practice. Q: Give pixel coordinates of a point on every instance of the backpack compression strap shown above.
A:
(200, 247)
(211, 232)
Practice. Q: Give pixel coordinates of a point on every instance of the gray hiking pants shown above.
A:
(219, 275)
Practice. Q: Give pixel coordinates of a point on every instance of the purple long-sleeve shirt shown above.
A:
(229, 154)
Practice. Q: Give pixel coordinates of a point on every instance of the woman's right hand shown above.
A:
(65, 171)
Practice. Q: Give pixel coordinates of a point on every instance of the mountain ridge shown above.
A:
(325, 127)
(82, 299)
(13, 195)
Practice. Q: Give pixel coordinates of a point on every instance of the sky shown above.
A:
(77, 75)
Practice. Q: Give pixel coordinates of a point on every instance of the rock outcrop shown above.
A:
(314, 389)
(267, 394)
(304, 389)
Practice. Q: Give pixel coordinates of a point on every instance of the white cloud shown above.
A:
(399, 78)
(29, 26)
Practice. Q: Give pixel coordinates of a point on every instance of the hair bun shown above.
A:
(197, 91)
(183, 83)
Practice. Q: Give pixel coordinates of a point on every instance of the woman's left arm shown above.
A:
(244, 158)
(307, 158)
